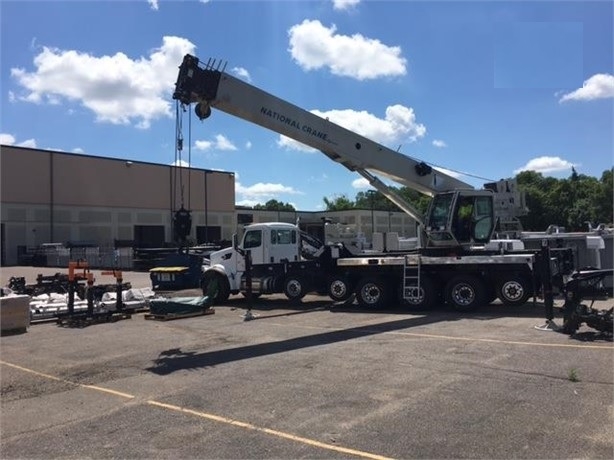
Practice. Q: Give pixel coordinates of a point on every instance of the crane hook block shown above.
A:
(202, 110)
(182, 224)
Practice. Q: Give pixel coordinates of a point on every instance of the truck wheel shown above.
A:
(423, 297)
(339, 288)
(223, 287)
(371, 293)
(295, 288)
(464, 293)
(514, 290)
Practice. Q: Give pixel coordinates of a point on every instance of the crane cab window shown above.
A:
(440, 210)
(473, 219)
(253, 239)
(484, 218)
(283, 236)
(463, 218)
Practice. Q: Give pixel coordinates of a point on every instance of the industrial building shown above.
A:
(56, 197)
(111, 205)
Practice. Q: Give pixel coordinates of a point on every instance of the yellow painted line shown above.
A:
(57, 379)
(451, 337)
(215, 418)
(108, 390)
(40, 374)
(280, 434)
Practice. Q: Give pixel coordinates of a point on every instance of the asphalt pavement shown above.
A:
(312, 380)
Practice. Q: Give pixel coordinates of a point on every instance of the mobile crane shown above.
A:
(460, 221)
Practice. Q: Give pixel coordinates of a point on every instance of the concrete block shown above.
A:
(14, 314)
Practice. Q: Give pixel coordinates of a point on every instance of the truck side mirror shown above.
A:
(235, 241)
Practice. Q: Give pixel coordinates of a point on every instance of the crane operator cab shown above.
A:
(460, 218)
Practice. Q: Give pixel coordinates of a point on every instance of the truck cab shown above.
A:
(271, 243)
(275, 249)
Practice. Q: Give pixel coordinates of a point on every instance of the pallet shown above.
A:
(83, 320)
(172, 316)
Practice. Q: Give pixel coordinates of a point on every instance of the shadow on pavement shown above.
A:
(173, 360)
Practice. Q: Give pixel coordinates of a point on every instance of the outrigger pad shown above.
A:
(549, 326)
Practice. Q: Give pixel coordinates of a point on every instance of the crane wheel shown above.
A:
(339, 288)
(422, 297)
(514, 290)
(372, 293)
(295, 288)
(465, 292)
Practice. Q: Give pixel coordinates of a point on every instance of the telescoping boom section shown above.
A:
(208, 87)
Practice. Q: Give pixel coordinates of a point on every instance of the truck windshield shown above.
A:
(253, 239)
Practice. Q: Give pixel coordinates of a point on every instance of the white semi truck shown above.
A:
(456, 262)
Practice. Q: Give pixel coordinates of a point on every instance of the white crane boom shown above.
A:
(215, 88)
(207, 86)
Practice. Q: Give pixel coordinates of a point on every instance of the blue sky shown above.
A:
(484, 88)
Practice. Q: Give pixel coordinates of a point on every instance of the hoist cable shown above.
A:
(189, 156)
(179, 149)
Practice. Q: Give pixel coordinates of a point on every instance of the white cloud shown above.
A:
(248, 145)
(118, 89)
(12, 97)
(153, 4)
(398, 126)
(78, 150)
(242, 73)
(260, 192)
(28, 143)
(248, 203)
(220, 142)
(314, 46)
(9, 139)
(439, 143)
(285, 142)
(599, 86)
(203, 145)
(344, 4)
(546, 164)
(180, 163)
(361, 184)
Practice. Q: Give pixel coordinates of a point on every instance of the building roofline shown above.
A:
(88, 155)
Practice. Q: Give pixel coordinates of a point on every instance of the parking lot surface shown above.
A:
(308, 381)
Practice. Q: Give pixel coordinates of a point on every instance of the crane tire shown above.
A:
(339, 288)
(465, 292)
(295, 288)
(426, 297)
(372, 292)
(514, 290)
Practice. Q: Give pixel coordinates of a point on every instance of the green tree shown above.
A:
(338, 203)
(274, 205)
(569, 203)
(372, 199)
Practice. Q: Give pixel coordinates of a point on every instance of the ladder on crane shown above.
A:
(412, 268)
